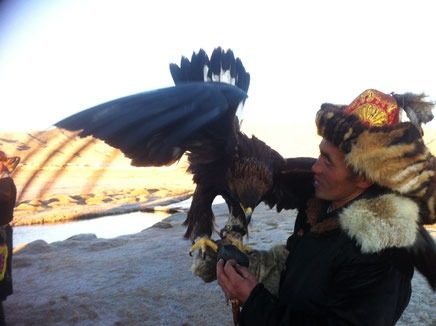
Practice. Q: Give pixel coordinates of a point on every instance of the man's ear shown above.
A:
(364, 183)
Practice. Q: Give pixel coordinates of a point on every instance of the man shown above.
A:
(350, 260)
(8, 194)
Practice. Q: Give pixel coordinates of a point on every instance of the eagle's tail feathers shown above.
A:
(222, 67)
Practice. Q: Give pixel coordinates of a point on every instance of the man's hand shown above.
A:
(236, 281)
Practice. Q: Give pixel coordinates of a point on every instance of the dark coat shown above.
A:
(8, 194)
(327, 280)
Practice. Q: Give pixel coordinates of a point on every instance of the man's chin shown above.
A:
(320, 195)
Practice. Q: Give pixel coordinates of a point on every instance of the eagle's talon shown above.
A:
(238, 244)
(203, 243)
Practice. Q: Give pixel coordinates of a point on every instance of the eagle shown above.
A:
(201, 117)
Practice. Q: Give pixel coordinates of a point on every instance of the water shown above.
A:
(103, 227)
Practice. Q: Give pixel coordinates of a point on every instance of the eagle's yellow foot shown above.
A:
(238, 243)
(203, 243)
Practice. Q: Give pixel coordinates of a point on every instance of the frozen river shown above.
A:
(103, 227)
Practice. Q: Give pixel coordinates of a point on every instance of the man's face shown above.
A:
(334, 180)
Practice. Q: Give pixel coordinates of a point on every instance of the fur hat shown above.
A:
(388, 152)
(9, 163)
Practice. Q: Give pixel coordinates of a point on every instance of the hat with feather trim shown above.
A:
(378, 145)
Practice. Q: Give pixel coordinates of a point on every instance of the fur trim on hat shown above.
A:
(378, 223)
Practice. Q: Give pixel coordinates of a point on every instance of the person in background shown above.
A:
(8, 195)
(353, 251)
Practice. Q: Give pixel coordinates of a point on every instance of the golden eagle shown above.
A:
(199, 116)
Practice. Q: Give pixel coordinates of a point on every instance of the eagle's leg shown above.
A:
(235, 230)
(200, 219)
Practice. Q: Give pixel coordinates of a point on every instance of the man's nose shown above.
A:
(316, 167)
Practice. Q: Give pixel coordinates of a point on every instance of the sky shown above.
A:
(59, 57)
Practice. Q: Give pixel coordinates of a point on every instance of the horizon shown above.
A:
(302, 140)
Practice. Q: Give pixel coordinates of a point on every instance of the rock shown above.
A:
(35, 247)
(83, 237)
(128, 200)
(60, 201)
(28, 207)
(97, 200)
(36, 202)
(138, 192)
(162, 225)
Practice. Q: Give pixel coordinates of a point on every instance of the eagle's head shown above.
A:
(249, 180)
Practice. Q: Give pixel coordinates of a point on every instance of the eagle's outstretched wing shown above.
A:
(293, 184)
(296, 182)
(155, 128)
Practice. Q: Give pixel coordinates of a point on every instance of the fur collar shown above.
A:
(389, 220)
(376, 221)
